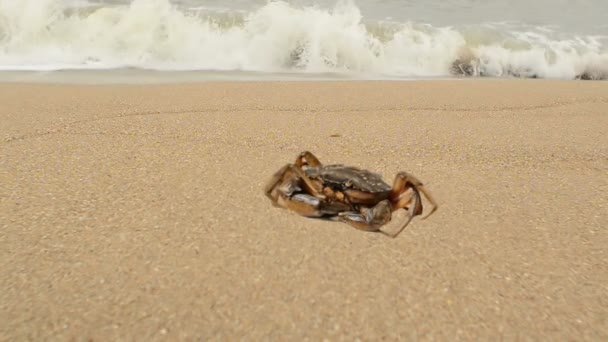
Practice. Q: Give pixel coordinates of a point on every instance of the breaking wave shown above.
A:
(279, 37)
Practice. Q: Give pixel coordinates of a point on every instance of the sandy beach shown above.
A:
(136, 212)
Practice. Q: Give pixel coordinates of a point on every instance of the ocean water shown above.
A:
(561, 39)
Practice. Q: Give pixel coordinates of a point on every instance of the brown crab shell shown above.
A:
(360, 186)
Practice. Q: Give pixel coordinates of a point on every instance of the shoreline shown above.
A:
(141, 76)
(131, 76)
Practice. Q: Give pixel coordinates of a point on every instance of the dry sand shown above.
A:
(137, 212)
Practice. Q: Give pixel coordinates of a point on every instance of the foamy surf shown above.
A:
(281, 38)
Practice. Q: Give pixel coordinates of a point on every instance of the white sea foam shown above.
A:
(278, 37)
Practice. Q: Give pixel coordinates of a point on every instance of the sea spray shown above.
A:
(280, 37)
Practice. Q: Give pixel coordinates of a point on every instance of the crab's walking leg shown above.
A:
(414, 201)
(279, 178)
(310, 206)
(402, 182)
(307, 158)
(281, 189)
(369, 219)
(286, 179)
(375, 218)
(302, 204)
(290, 173)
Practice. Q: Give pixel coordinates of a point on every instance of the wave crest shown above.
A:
(154, 34)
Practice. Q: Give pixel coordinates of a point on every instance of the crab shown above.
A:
(348, 194)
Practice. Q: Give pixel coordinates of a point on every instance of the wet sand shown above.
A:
(137, 213)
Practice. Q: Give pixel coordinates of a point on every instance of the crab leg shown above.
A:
(411, 212)
(307, 158)
(288, 176)
(375, 218)
(310, 206)
(404, 180)
(275, 181)
(281, 190)
(302, 204)
(369, 219)
(286, 180)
